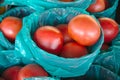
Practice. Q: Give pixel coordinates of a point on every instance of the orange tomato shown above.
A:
(84, 29)
(10, 26)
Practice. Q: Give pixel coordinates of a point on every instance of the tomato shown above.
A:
(84, 29)
(2, 78)
(10, 26)
(105, 47)
(11, 73)
(73, 50)
(31, 70)
(106, 4)
(64, 30)
(110, 29)
(49, 39)
(67, 0)
(98, 6)
(2, 10)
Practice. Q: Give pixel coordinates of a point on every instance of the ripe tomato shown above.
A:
(73, 50)
(11, 73)
(31, 70)
(64, 30)
(98, 6)
(110, 29)
(66, 0)
(2, 78)
(84, 29)
(106, 4)
(104, 46)
(2, 10)
(49, 38)
(10, 26)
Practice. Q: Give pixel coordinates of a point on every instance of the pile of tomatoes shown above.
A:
(22, 72)
(69, 40)
(66, 40)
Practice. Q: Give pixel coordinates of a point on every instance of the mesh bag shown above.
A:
(106, 66)
(8, 58)
(110, 12)
(55, 65)
(22, 3)
(84, 4)
(47, 4)
(110, 58)
(97, 72)
(20, 12)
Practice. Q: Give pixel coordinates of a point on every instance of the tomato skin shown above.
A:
(73, 50)
(110, 29)
(31, 70)
(10, 26)
(64, 30)
(49, 39)
(105, 47)
(84, 29)
(2, 78)
(11, 73)
(106, 4)
(67, 0)
(98, 6)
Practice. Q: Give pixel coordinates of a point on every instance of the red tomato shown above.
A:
(98, 6)
(11, 73)
(64, 30)
(2, 78)
(73, 50)
(31, 70)
(84, 29)
(49, 38)
(10, 26)
(110, 29)
(106, 4)
(105, 47)
(67, 0)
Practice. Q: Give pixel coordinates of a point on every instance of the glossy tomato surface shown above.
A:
(98, 6)
(31, 70)
(64, 30)
(84, 29)
(110, 29)
(10, 26)
(73, 50)
(49, 39)
(11, 73)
